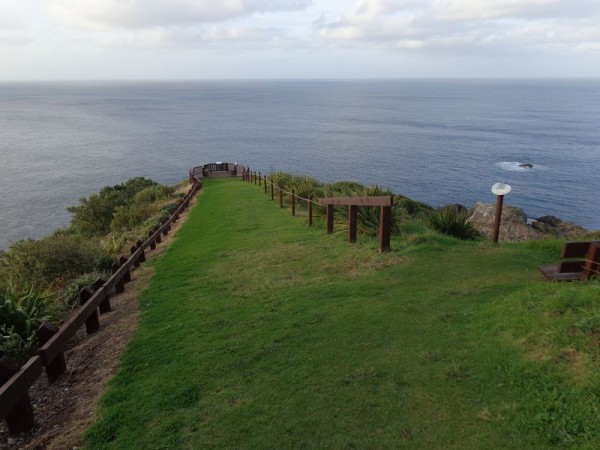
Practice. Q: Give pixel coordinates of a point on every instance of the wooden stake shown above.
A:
(385, 228)
(92, 324)
(20, 418)
(352, 222)
(310, 211)
(329, 219)
(58, 365)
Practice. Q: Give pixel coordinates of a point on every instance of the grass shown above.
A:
(258, 332)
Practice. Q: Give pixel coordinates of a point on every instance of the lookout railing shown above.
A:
(15, 380)
(353, 203)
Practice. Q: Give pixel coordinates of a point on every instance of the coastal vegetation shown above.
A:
(258, 331)
(40, 279)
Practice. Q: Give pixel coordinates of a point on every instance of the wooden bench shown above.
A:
(581, 262)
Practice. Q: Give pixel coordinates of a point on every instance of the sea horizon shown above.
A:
(437, 140)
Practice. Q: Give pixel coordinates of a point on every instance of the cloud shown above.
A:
(202, 36)
(139, 14)
(457, 24)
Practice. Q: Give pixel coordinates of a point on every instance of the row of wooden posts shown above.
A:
(15, 381)
(384, 202)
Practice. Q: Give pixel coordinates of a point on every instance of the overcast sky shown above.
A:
(222, 39)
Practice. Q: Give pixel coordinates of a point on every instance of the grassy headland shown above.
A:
(259, 332)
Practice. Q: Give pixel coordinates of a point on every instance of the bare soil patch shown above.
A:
(65, 409)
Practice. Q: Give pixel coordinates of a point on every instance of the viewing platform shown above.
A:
(217, 169)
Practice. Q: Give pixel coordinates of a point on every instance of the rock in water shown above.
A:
(561, 228)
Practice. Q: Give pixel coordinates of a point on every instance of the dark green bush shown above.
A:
(22, 311)
(343, 189)
(452, 222)
(412, 207)
(303, 185)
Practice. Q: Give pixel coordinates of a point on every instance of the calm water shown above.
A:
(435, 141)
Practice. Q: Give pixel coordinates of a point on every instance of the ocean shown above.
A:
(438, 141)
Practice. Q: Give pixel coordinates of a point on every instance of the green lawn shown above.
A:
(259, 332)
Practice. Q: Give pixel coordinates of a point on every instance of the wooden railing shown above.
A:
(15, 381)
(384, 202)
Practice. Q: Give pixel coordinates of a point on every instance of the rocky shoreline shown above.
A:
(516, 226)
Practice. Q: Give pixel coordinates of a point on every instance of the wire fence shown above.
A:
(353, 203)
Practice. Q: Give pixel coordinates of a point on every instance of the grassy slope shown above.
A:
(260, 332)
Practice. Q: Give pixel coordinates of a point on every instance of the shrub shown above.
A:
(152, 194)
(303, 185)
(452, 222)
(94, 214)
(131, 216)
(22, 311)
(56, 257)
(412, 207)
(70, 295)
(344, 189)
(114, 243)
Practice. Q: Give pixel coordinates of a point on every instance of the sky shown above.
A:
(297, 39)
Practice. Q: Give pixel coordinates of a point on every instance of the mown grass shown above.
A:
(258, 332)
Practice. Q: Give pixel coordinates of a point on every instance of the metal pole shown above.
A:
(499, 202)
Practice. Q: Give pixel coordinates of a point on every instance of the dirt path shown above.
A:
(65, 409)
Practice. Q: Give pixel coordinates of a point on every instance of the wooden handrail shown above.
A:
(15, 389)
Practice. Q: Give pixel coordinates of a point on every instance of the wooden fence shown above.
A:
(15, 381)
(384, 202)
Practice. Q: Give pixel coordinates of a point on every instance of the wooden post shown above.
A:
(293, 202)
(136, 263)
(255, 178)
(352, 222)
(119, 286)
(498, 216)
(259, 179)
(310, 211)
(104, 305)
(265, 183)
(280, 198)
(329, 219)
(153, 241)
(385, 228)
(92, 324)
(158, 239)
(272, 190)
(20, 418)
(127, 277)
(58, 366)
(139, 244)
